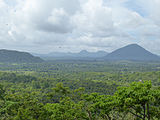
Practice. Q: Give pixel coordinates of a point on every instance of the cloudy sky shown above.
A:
(43, 26)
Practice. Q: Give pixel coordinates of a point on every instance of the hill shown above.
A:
(132, 52)
(84, 54)
(11, 56)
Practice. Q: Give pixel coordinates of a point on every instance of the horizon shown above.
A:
(33, 53)
(39, 26)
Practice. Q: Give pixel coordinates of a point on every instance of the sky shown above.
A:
(43, 26)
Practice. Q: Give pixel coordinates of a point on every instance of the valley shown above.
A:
(80, 88)
(42, 85)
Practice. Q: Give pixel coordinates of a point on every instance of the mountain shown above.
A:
(132, 52)
(82, 55)
(11, 56)
(85, 53)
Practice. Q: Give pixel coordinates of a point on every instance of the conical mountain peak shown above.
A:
(132, 52)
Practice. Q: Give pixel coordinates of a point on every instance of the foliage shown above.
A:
(79, 91)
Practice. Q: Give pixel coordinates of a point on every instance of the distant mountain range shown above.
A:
(11, 56)
(82, 54)
(132, 52)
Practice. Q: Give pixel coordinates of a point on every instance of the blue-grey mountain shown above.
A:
(132, 52)
(84, 54)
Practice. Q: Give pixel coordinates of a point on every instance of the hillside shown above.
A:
(132, 52)
(10, 56)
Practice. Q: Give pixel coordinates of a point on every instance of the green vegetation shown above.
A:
(80, 90)
(11, 56)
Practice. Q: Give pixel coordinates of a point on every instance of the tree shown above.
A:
(136, 99)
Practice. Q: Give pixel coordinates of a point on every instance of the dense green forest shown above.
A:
(80, 90)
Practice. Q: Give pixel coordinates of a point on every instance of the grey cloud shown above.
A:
(44, 25)
(58, 22)
(48, 15)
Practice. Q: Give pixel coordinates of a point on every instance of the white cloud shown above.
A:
(153, 9)
(46, 25)
(95, 18)
(48, 15)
